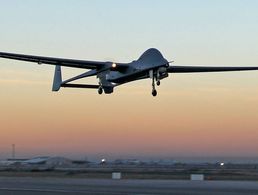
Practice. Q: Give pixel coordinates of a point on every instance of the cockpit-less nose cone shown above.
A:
(151, 65)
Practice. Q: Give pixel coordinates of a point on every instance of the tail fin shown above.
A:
(57, 79)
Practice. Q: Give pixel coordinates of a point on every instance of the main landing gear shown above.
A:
(100, 90)
(105, 87)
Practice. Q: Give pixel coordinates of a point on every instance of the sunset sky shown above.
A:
(194, 115)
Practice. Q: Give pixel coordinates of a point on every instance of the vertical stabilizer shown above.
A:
(57, 79)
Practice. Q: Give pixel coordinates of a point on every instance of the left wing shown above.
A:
(55, 61)
(196, 69)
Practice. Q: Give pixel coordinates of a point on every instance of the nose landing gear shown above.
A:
(154, 91)
(153, 77)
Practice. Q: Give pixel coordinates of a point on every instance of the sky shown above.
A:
(194, 115)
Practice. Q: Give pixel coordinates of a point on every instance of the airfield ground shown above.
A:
(136, 179)
(68, 186)
(129, 175)
(155, 173)
(237, 180)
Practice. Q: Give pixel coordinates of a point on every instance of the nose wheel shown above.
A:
(154, 93)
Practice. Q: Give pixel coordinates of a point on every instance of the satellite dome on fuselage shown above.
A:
(152, 56)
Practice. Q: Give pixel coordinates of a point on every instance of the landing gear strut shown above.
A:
(154, 91)
(158, 78)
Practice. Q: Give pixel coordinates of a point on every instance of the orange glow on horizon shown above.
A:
(182, 122)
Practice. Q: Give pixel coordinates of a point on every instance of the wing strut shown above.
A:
(57, 79)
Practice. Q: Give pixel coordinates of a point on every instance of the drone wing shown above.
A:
(196, 69)
(55, 61)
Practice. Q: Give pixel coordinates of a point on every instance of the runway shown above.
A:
(54, 186)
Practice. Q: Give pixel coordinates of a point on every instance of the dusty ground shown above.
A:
(57, 186)
(131, 174)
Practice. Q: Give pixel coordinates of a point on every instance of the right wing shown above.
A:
(196, 69)
(55, 61)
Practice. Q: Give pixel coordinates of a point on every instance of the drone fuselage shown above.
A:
(152, 59)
